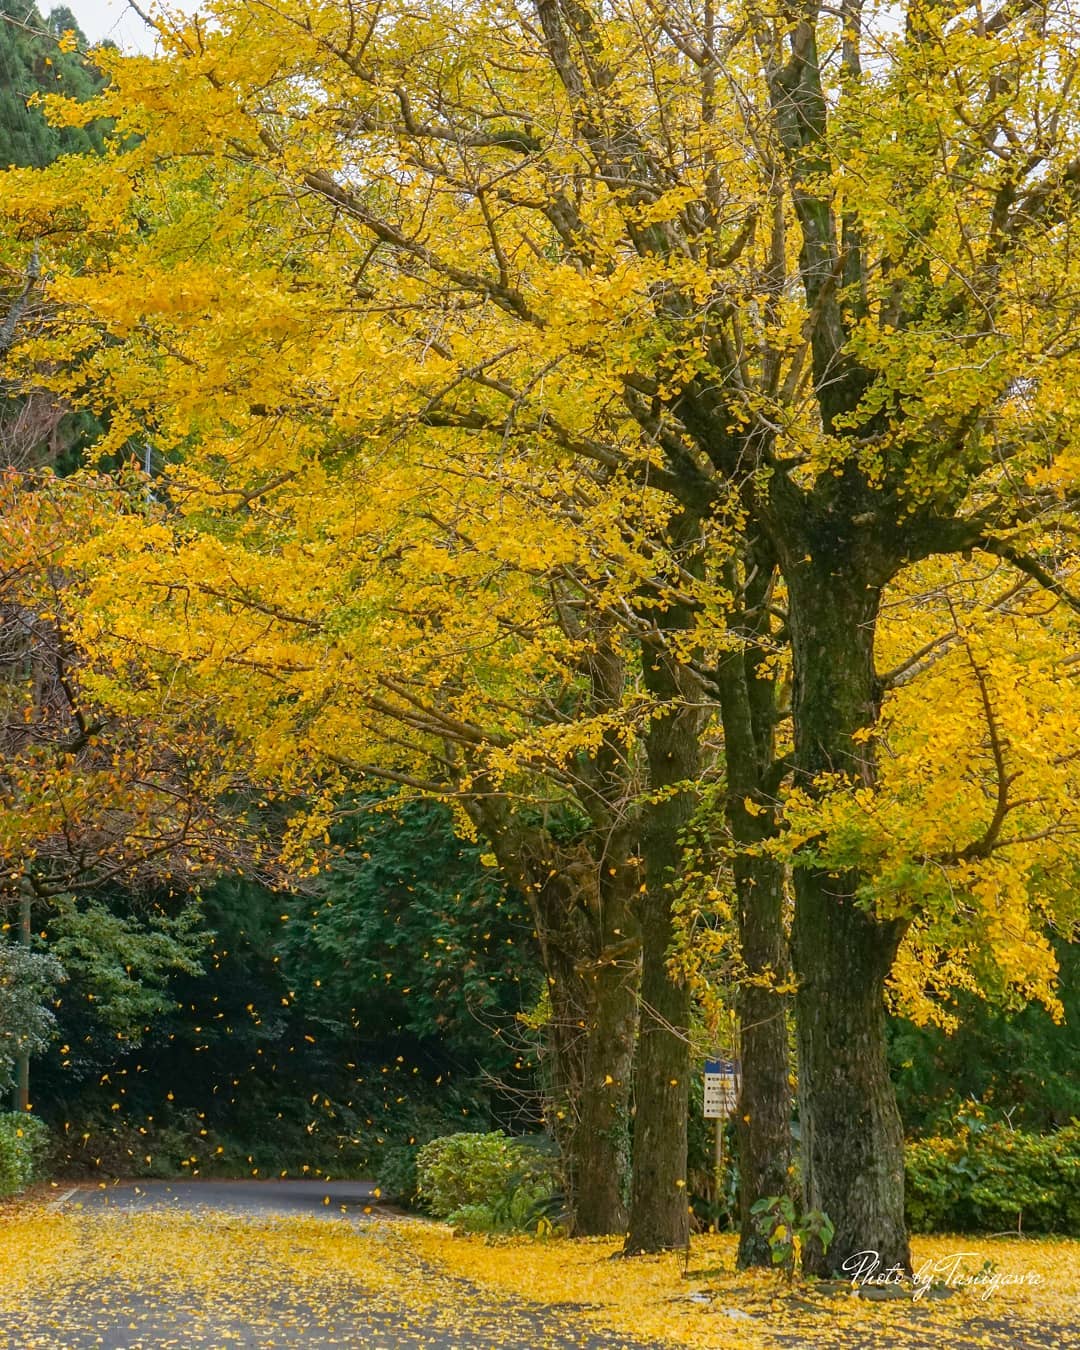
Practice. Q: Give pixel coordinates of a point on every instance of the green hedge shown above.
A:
(487, 1183)
(23, 1143)
(991, 1178)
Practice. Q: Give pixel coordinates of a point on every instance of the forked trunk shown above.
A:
(594, 1017)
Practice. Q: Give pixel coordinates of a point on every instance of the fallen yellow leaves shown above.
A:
(207, 1280)
(706, 1303)
(70, 1275)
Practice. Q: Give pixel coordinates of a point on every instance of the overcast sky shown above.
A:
(113, 19)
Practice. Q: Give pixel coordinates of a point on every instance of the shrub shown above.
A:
(463, 1169)
(487, 1182)
(992, 1178)
(23, 1143)
(524, 1207)
(475, 1219)
(28, 981)
(931, 1185)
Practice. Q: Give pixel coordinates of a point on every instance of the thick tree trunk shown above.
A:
(564, 1044)
(581, 896)
(601, 1140)
(763, 1117)
(611, 964)
(592, 988)
(659, 1209)
(594, 1017)
(852, 1144)
(747, 687)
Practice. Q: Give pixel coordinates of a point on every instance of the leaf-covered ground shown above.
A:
(75, 1278)
(206, 1280)
(706, 1303)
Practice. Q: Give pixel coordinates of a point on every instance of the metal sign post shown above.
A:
(723, 1079)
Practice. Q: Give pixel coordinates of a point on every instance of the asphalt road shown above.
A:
(324, 1199)
(108, 1290)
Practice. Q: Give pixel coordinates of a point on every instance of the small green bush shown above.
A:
(523, 1207)
(475, 1219)
(463, 1169)
(24, 1141)
(991, 1178)
(487, 1183)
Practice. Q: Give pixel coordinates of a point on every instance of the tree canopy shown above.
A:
(494, 350)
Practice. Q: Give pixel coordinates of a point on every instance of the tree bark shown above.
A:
(763, 1115)
(747, 689)
(601, 1140)
(592, 987)
(852, 1143)
(610, 960)
(659, 1209)
(594, 1016)
(20, 1093)
(581, 895)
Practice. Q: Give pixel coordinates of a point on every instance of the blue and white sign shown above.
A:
(722, 1081)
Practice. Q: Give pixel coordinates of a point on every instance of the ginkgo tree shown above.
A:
(98, 805)
(581, 898)
(972, 827)
(662, 1180)
(94, 796)
(713, 278)
(446, 661)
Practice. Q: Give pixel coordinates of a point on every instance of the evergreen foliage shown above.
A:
(124, 954)
(408, 934)
(27, 980)
(1018, 1063)
(328, 1033)
(486, 1183)
(31, 65)
(989, 1178)
(23, 1145)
